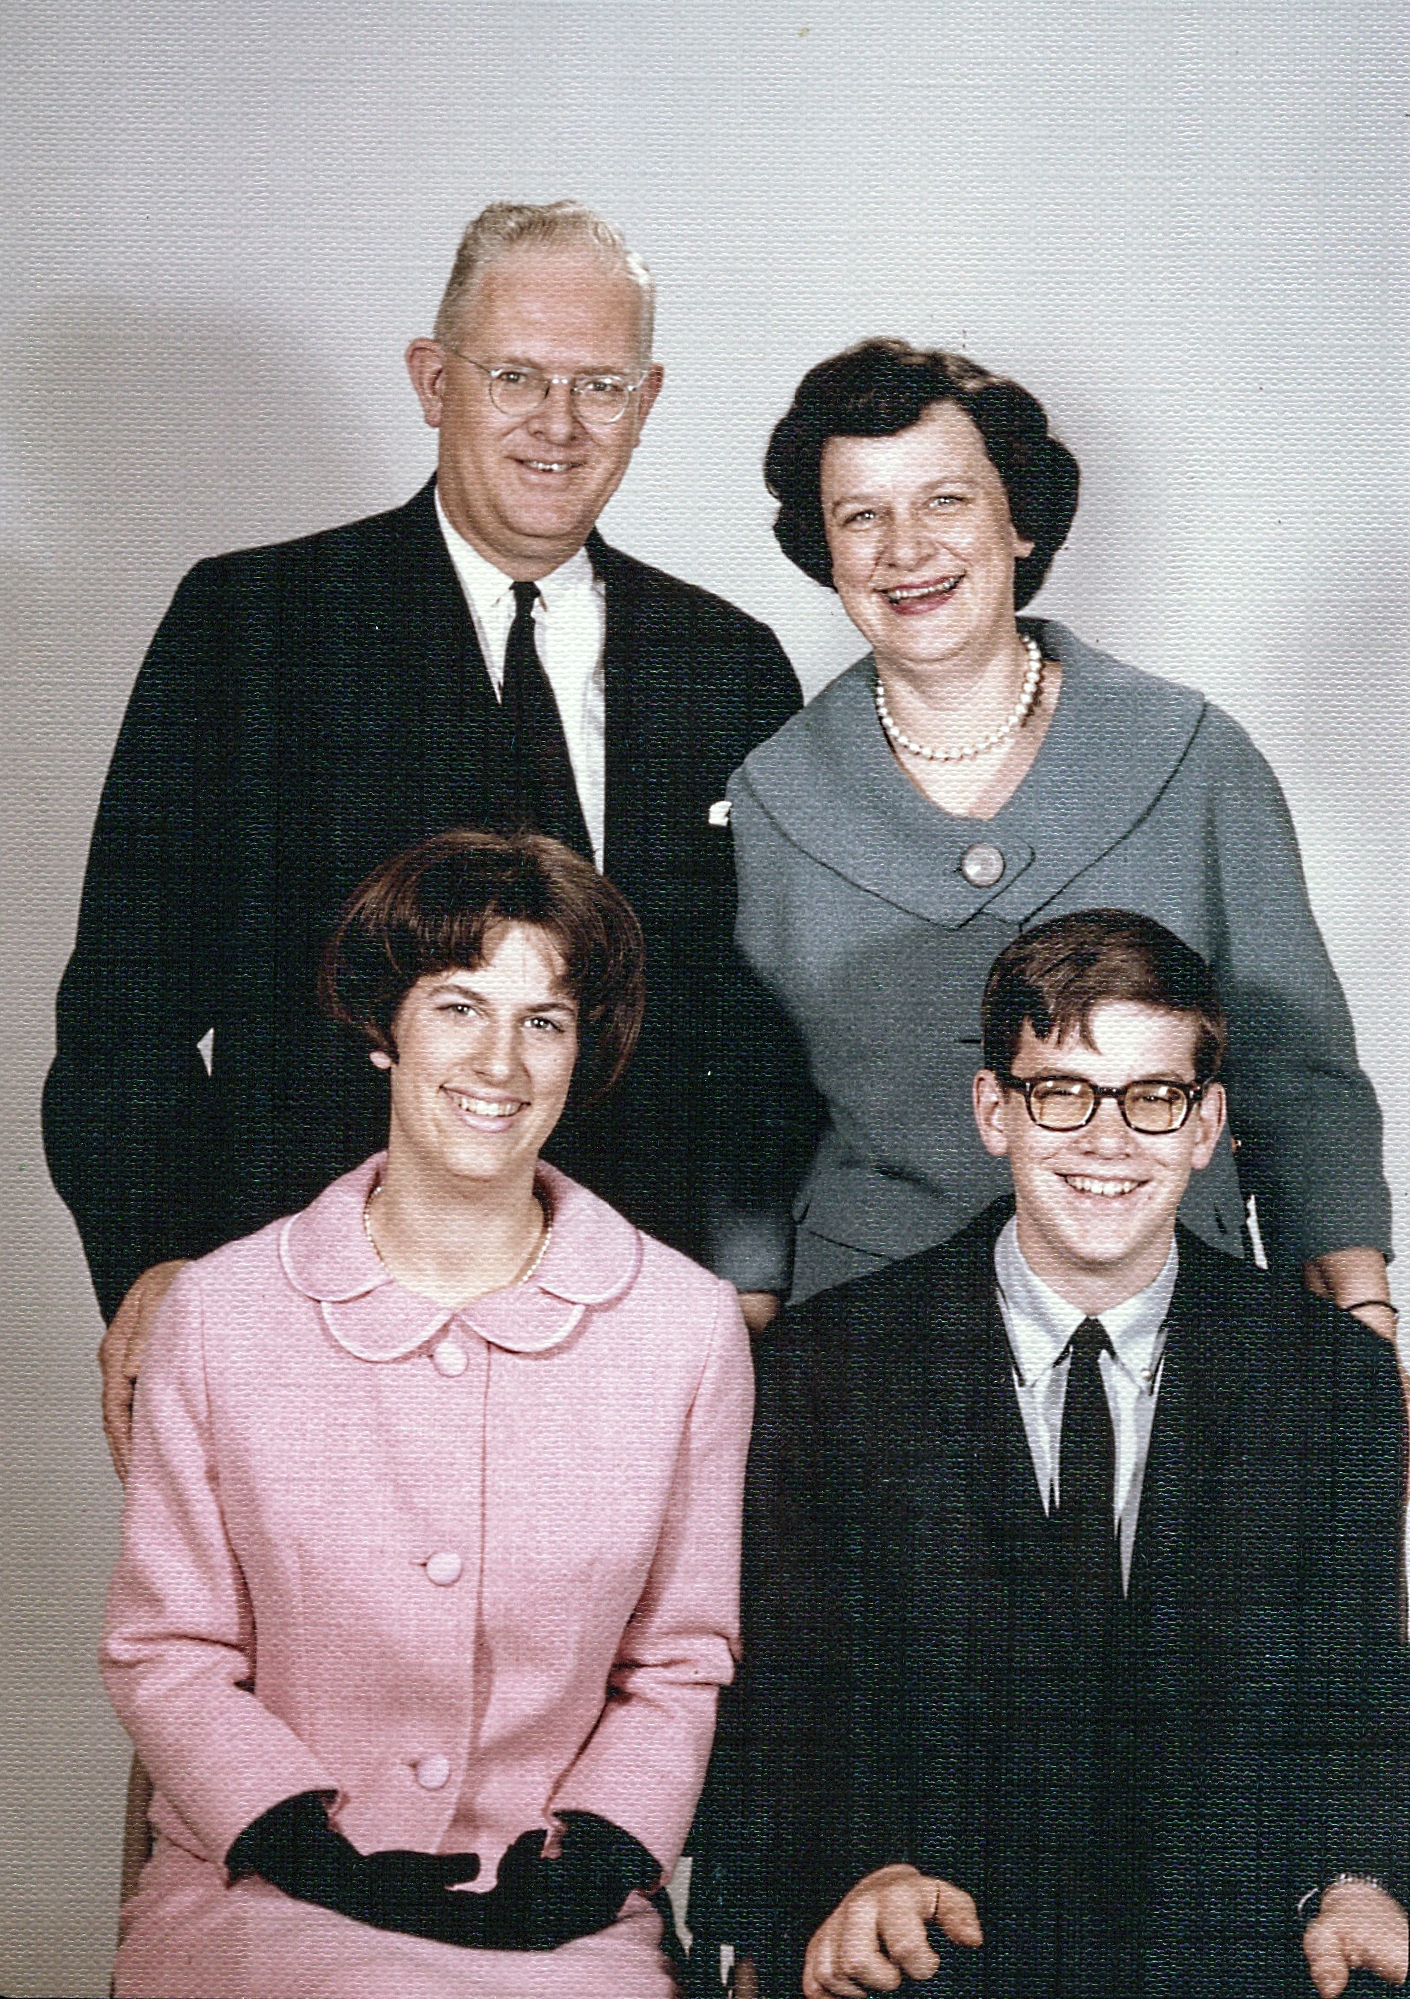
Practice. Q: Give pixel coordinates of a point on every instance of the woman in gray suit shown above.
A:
(975, 773)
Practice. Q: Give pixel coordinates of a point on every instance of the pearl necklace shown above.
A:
(1017, 716)
(524, 1275)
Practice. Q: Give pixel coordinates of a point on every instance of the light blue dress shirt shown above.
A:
(1040, 1324)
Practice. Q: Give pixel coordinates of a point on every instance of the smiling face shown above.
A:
(921, 541)
(526, 491)
(1096, 1207)
(484, 1059)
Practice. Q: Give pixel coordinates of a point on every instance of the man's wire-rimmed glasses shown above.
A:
(1152, 1106)
(519, 391)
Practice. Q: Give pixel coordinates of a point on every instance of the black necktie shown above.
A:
(1086, 1473)
(541, 773)
(1095, 1935)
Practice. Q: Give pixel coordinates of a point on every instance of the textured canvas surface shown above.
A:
(1181, 226)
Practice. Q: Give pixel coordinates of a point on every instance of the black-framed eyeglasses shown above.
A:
(1153, 1105)
(598, 399)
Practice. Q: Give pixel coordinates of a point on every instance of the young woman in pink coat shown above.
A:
(429, 1559)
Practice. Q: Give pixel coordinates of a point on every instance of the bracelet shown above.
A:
(1307, 1915)
(1362, 1303)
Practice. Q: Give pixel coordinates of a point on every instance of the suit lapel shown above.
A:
(448, 713)
(427, 593)
(619, 690)
(1002, 1464)
(971, 1381)
(1206, 1362)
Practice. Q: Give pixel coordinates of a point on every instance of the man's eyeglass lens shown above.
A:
(1066, 1103)
(520, 391)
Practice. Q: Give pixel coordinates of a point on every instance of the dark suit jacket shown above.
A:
(304, 711)
(914, 1687)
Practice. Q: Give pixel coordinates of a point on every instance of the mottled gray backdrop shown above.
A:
(1181, 223)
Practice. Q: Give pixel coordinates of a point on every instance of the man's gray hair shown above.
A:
(550, 225)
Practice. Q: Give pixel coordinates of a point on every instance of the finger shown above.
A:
(120, 1355)
(113, 1357)
(824, 1982)
(957, 1915)
(1388, 1964)
(114, 1430)
(1325, 1959)
(857, 1951)
(1373, 1953)
(1361, 1928)
(136, 1347)
(138, 1312)
(117, 1389)
(900, 1926)
(823, 1974)
(916, 1958)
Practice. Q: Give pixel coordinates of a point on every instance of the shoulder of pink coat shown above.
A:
(596, 1262)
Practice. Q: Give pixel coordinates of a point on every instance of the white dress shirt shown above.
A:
(570, 633)
(1040, 1324)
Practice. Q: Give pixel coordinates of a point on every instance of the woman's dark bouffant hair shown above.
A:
(436, 907)
(880, 387)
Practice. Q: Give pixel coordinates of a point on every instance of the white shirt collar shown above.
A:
(1041, 1321)
(487, 586)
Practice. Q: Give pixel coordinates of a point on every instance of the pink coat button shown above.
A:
(433, 1773)
(449, 1359)
(444, 1567)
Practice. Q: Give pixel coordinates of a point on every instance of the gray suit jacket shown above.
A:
(856, 910)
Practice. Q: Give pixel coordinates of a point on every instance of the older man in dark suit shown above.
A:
(1072, 1595)
(478, 656)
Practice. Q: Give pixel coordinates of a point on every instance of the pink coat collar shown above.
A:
(593, 1258)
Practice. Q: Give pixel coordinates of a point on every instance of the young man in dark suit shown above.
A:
(1073, 1568)
(478, 656)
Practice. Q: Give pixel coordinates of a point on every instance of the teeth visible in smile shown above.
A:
(1086, 1185)
(482, 1107)
(548, 465)
(904, 593)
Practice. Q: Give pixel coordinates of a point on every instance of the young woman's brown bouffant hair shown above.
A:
(438, 905)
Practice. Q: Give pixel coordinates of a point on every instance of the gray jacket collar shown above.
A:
(830, 784)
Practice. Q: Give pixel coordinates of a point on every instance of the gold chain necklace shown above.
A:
(525, 1273)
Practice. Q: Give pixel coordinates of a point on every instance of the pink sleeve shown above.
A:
(178, 1641)
(644, 1764)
